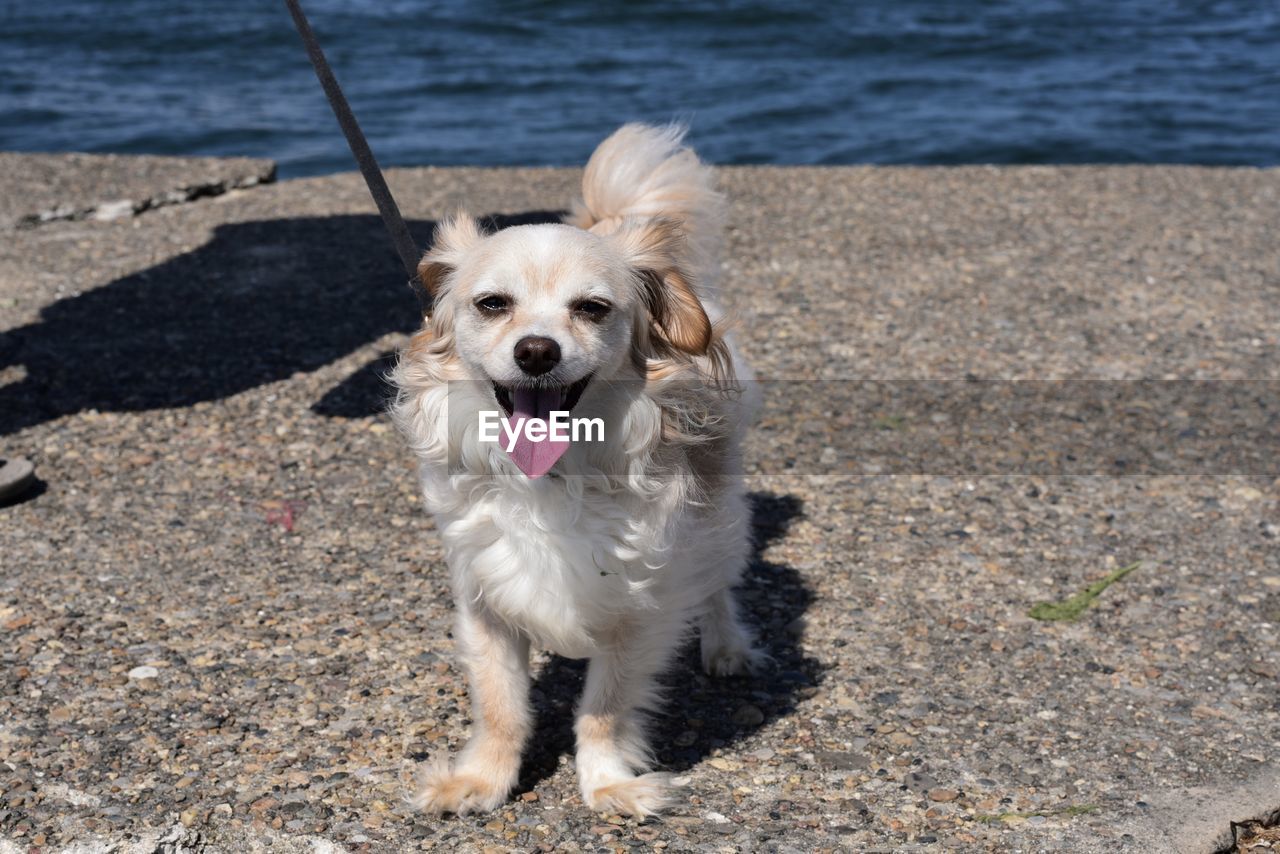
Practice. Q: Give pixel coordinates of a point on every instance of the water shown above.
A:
(541, 81)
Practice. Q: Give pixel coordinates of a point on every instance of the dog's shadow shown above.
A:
(702, 714)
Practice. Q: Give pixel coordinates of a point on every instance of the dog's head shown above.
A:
(542, 311)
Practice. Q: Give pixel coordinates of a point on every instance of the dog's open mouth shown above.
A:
(535, 451)
(539, 401)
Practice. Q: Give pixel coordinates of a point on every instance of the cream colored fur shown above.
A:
(627, 543)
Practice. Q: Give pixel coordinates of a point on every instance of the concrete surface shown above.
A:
(224, 618)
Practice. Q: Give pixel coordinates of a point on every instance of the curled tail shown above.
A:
(644, 172)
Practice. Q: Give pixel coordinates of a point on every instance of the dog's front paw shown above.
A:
(638, 796)
(442, 789)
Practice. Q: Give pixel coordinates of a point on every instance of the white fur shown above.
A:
(627, 543)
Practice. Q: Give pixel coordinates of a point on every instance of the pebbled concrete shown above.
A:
(223, 616)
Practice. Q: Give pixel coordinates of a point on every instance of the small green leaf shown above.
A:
(890, 422)
(1069, 609)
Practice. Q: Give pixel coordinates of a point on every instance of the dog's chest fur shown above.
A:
(561, 565)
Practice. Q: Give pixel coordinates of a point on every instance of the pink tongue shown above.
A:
(534, 457)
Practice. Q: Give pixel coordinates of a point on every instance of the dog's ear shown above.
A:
(652, 248)
(452, 239)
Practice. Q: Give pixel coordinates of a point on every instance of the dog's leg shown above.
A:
(496, 660)
(728, 647)
(611, 744)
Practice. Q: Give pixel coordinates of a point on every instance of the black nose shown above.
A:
(536, 356)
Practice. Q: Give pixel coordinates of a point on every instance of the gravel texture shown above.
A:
(224, 618)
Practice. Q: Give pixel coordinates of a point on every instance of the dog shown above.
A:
(608, 550)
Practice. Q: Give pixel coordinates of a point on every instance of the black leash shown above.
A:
(391, 218)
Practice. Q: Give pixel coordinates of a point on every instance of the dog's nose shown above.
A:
(536, 355)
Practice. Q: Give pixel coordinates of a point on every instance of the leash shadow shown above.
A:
(702, 714)
(259, 302)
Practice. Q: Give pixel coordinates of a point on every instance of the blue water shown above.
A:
(541, 81)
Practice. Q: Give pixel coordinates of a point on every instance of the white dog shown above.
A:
(623, 543)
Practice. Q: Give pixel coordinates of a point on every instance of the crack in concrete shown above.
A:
(1257, 833)
(121, 208)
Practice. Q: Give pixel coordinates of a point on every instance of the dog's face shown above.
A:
(546, 309)
(547, 306)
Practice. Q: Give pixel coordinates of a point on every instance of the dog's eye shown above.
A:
(592, 309)
(493, 304)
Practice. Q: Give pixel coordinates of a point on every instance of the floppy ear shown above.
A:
(452, 239)
(653, 248)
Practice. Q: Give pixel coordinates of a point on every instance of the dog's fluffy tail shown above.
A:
(642, 172)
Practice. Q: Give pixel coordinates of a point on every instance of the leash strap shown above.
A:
(391, 218)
